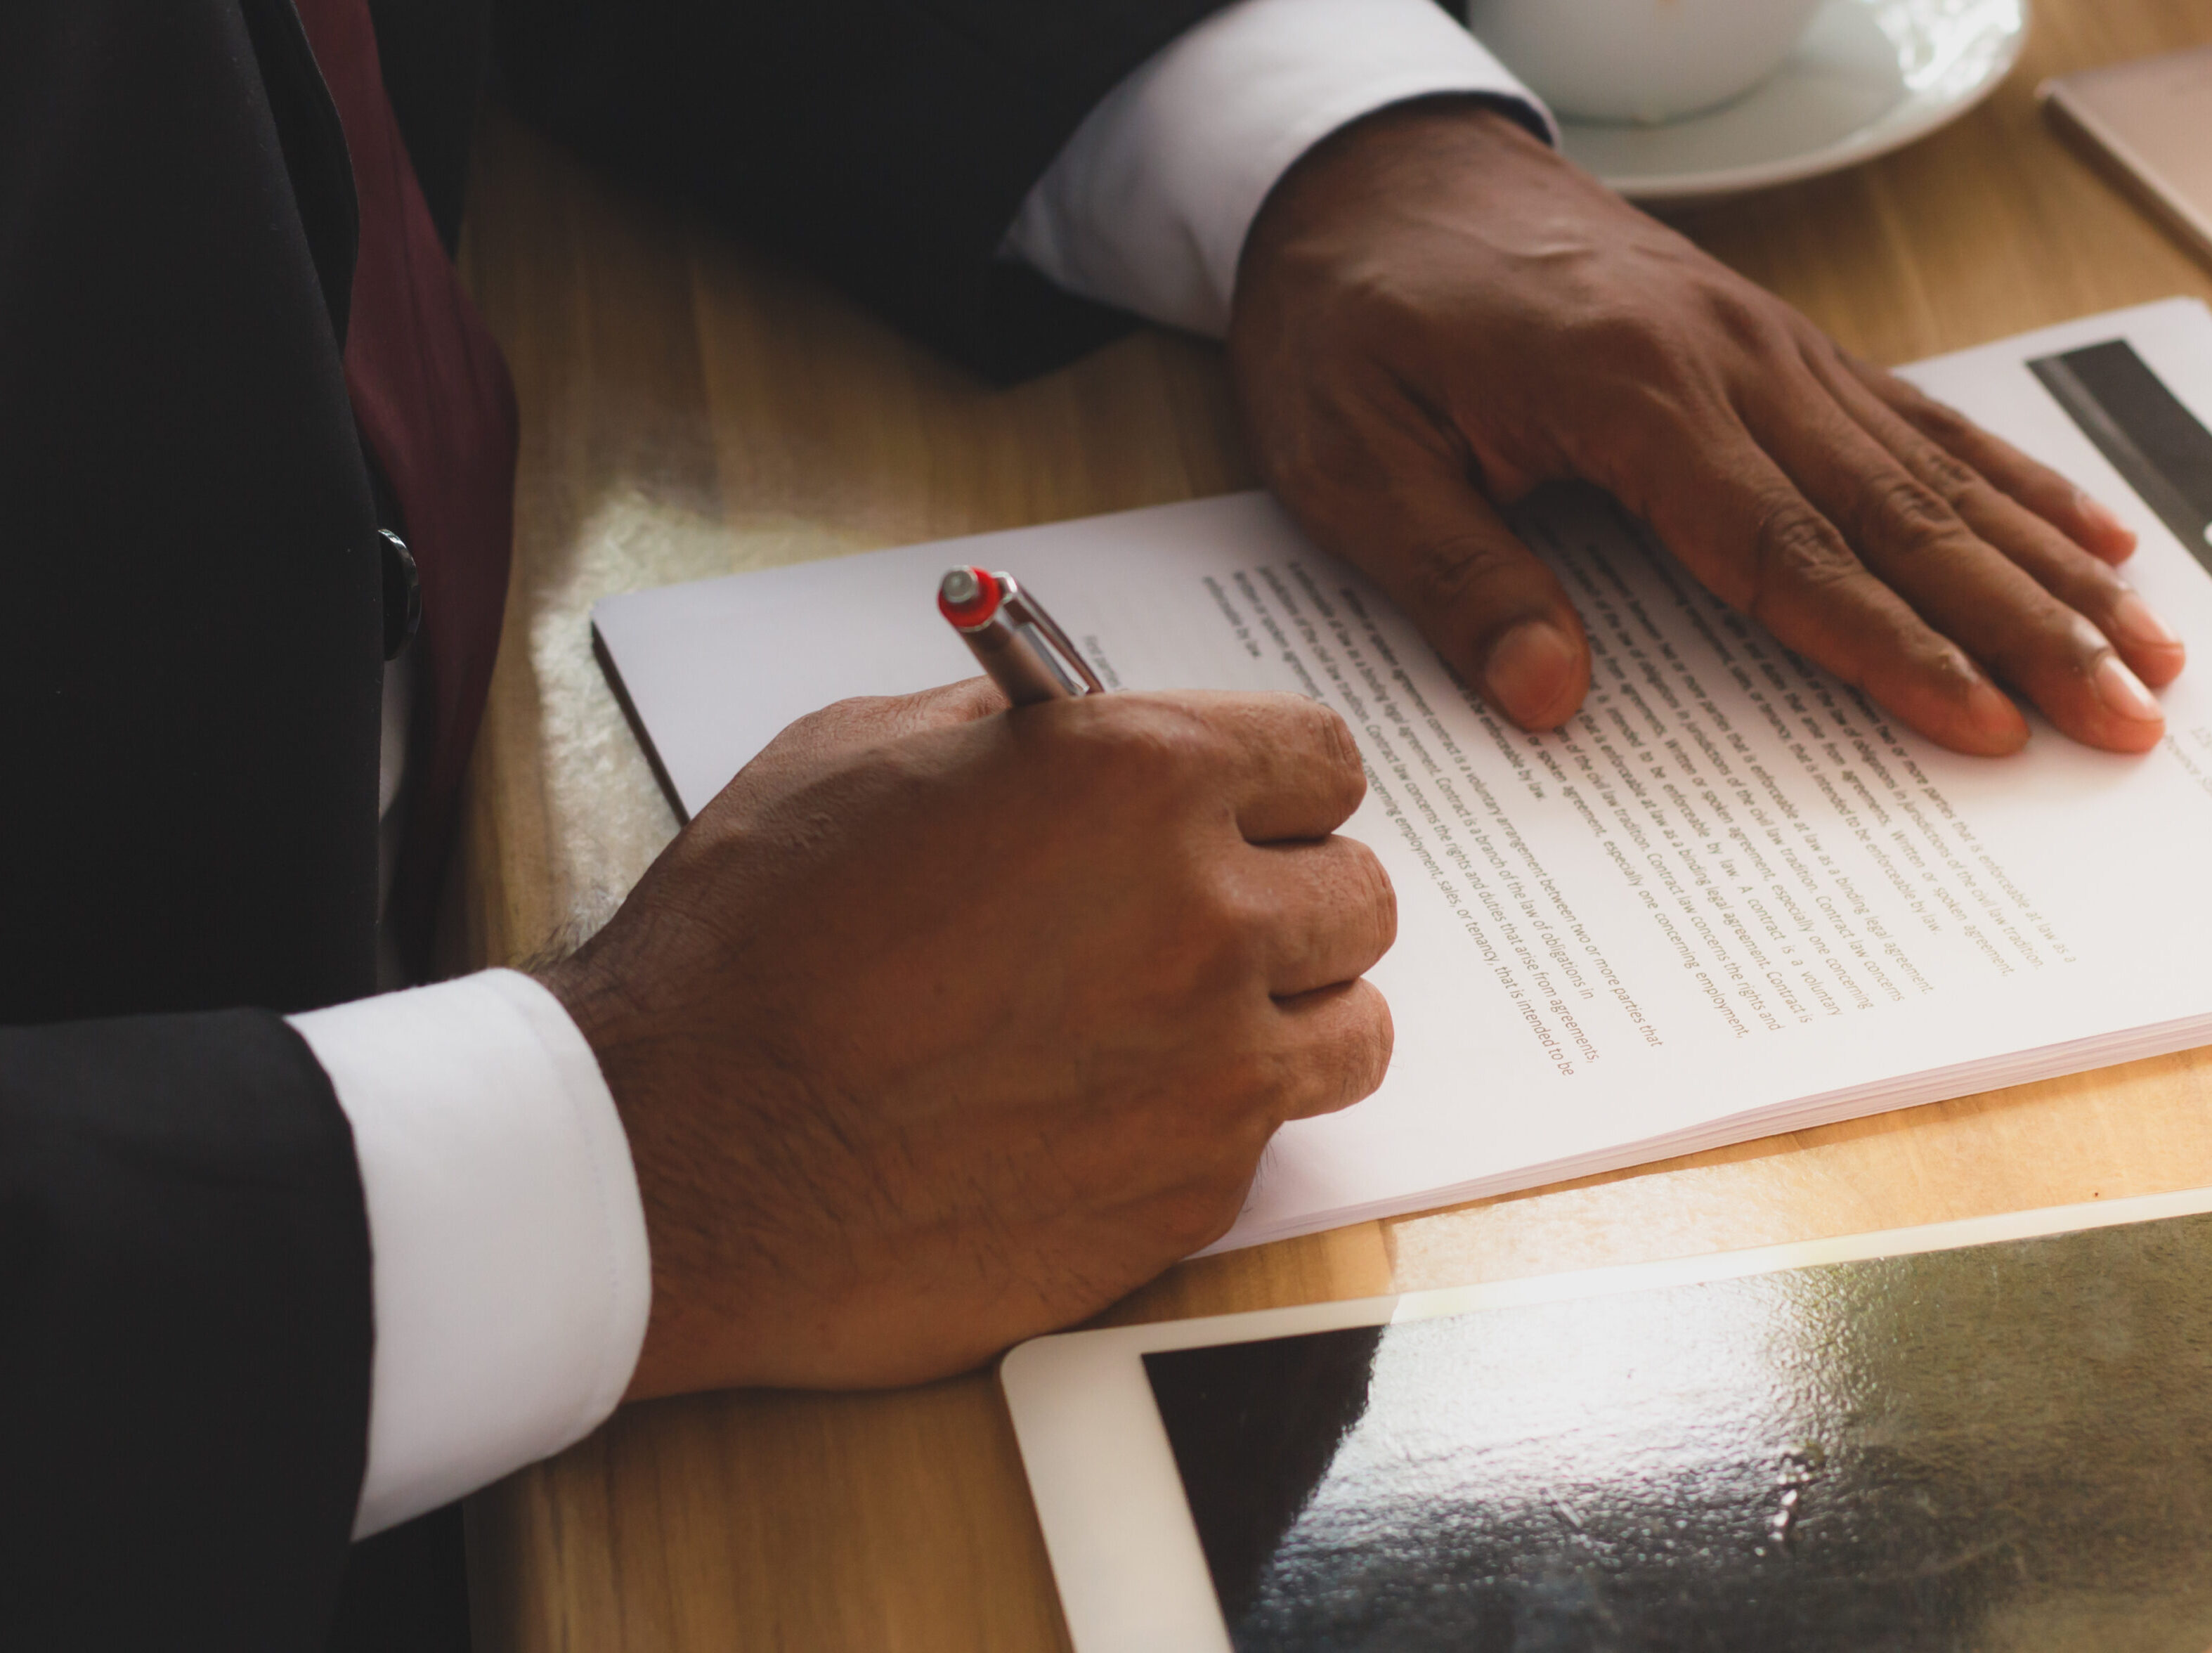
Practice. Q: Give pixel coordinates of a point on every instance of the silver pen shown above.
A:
(1013, 639)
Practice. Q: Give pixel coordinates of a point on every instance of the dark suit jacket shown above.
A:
(189, 685)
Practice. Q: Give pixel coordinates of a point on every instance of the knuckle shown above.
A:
(1232, 910)
(1908, 503)
(1362, 1052)
(1246, 1083)
(1339, 758)
(1227, 928)
(2089, 587)
(1322, 758)
(1364, 903)
(2049, 641)
(1194, 1216)
(1146, 743)
(1378, 1039)
(844, 718)
(1794, 545)
(1378, 899)
(1908, 519)
(1953, 480)
(1903, 515)
(1450, 568)
(1749, 320)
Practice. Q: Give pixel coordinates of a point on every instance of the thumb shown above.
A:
(853, 726)
(1490, 606)
(870, 719)
(963, 702)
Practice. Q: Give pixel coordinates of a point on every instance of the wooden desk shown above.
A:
(689, 409)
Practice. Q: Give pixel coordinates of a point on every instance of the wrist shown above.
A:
(591, 1000)
(597, 1000)
(1392, 156)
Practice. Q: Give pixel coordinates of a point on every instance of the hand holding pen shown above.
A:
(979, 1021)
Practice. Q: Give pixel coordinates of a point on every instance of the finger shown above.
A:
(1335, 1047)
(1287, 766)
(1328, 912)
(1325, 1051)
(1407, 513)
(855, 724)
(1908, 536)
(2088, 522)
(2083, 582)
(876, 718)
(1745, 529)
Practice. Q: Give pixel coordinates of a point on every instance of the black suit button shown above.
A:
(403, 593)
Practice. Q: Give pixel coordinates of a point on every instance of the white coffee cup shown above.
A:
(1640, 60)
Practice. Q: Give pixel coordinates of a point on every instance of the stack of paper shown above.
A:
(1731, 898)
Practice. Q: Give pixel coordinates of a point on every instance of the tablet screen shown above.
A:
(2007, 1447)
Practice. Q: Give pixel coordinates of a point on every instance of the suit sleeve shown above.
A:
(188, 695)
(185, 1335)
(888, 143)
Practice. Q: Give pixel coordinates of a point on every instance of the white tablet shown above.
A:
(1989, 1433)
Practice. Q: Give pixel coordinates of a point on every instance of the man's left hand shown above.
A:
(1435, 312)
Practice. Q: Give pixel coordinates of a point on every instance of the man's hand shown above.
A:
(939, 1028)
(1435, 314)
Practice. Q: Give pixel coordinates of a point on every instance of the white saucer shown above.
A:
(1870, 77)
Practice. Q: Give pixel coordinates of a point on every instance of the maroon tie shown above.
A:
(435, 405)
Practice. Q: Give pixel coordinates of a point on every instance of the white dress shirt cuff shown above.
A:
(1148, 205)
(511, 1280)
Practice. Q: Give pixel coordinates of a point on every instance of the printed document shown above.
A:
(1731, 897)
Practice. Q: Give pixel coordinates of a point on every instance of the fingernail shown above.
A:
(1992, 710)
(1529, 669)
(2136, 622)
(2123, 692)
(2101, 518)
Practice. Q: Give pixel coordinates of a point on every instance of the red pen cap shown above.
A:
(968, 598)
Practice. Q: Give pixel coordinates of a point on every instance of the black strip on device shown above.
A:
(2139, 425)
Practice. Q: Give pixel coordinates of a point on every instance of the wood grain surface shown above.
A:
(690, 407)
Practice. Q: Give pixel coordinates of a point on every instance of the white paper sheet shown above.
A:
(1729, 898)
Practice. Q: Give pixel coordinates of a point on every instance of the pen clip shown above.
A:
(1025, 610)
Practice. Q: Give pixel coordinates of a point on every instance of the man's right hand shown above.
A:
(945, 1026)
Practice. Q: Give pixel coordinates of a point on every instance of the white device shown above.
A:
(2149, 121)
(1126, 1550)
